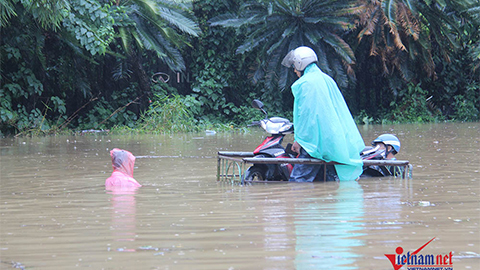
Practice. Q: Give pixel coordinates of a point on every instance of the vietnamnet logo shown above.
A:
(415, 261)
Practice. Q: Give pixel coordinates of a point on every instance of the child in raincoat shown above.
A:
(122, 175)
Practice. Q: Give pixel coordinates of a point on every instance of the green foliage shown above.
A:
(54, 61)
(21, 87)
(273, 28)
(455, 81)
(402, 42)
(363, 118)
(402, 35)
(88, 64)
(49, 13)
(103, 115)
(475, 54)
(175, 113)
(467, 108)
(168, 114)
(220, 84)
(158, 26)
(472, 8)
(37, 67)
(7, 10)
(412, 106)
(91, 24)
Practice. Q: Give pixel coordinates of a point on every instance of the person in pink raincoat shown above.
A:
(122, 175)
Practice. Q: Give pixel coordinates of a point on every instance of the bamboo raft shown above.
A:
(231, 166)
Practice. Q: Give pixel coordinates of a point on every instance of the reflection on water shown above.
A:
(327, 228)
(55, 212)
(123, 213)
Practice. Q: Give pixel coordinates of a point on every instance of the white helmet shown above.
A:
(389, 139)
(300, 58)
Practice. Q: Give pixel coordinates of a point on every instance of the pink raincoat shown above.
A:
(122, 163)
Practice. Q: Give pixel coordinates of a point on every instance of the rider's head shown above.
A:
(300, 58)
(391, 142)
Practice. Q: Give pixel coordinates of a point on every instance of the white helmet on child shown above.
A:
(300, 58)
(389, 139)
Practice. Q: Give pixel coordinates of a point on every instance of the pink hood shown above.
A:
(122, 163)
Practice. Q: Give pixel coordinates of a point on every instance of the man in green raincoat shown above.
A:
(324, 126)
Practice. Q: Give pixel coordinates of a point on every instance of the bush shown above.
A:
(168, 114)
(465, 109)
(412, 106)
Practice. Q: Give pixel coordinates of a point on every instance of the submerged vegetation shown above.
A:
(161, 66)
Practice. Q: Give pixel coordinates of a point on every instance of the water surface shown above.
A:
(55, 212)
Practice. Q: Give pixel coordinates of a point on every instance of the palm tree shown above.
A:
(273, 28)
(157, 28)
(155, 25)
(401, 33)
(403, 41)
(472, 8)
(62, 44)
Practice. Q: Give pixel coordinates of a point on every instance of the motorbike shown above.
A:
(377, 153)
(271, 147)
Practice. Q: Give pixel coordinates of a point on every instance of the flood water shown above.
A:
(56, 214)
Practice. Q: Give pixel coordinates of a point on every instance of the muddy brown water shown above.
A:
(56, 214)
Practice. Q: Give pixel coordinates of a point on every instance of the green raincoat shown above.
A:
(323, 124)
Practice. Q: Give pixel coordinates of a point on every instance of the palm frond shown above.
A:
(75, 46)
(227, 20)
(125, 38)
(275, 27)
(408, 23)
(339, 73)
(340, 47)
(7, 10)
(152, 10)
(441, 26)
(410, 4)
(287, 7)
(395, 37)
(161, 26)
(183, 23)
(322, 54)
(155, 42)
(355, 8)
(390, 10)
(275, 46)
(378, 41)
(257, 38)
(370, 23)
(121, 70)
(401, 33)
(474, 11)
(475, 54)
